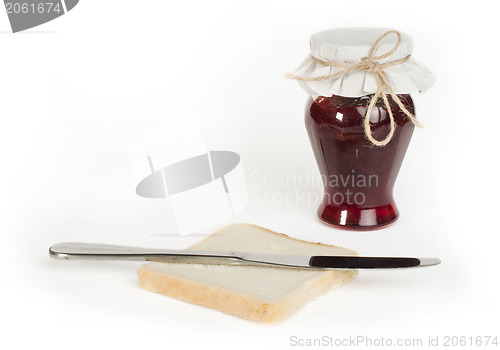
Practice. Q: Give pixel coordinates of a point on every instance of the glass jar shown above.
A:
(360, 119)
(358, 177)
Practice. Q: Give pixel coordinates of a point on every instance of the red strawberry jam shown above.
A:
(358, 177)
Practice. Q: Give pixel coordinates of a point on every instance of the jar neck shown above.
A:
(362, 101)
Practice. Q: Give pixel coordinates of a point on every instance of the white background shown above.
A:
(74, 91)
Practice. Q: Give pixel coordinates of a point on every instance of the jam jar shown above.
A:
(360, 118)
(358, 177)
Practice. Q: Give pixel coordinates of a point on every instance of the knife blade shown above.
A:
(91, 251)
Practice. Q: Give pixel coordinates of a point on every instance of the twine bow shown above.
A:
(370, 64)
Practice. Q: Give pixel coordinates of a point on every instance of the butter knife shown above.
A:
(90, 251)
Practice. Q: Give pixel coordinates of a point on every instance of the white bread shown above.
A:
(266, 294)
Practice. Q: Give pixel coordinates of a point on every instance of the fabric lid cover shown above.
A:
(349, 45)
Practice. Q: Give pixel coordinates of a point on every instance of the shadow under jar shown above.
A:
(358, 177)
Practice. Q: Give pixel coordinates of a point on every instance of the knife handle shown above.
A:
(355, 262)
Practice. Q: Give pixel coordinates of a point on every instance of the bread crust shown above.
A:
(238, 304)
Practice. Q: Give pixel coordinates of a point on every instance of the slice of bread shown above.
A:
(259, 293)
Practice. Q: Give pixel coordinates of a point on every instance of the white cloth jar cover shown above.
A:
(349, 46)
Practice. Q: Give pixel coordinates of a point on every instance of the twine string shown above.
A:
(370, 64)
